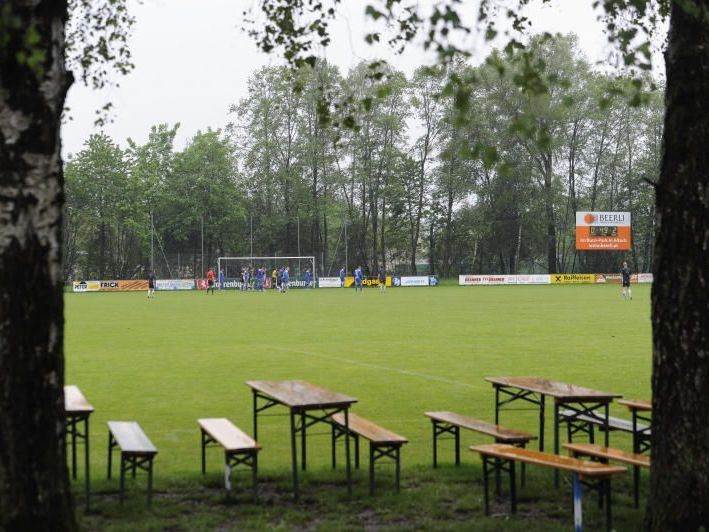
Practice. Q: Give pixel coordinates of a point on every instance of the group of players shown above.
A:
(254, 279)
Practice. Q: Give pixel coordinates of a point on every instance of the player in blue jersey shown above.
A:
(259, 278)
(342, 277)
(221, 279)
(307, 278)
(284, 280)
(358, 278)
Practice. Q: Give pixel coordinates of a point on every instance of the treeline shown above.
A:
(408, 181)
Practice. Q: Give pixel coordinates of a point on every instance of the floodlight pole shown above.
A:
(152, 247)
(298, 222)
(251, 237)
(202, 224)
(346, 265)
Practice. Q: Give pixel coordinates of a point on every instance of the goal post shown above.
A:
(233, 266)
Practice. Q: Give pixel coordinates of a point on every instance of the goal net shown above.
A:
(234, 268)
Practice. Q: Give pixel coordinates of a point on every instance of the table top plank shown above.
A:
(131, 438)
(597, 451)
(301, 394)
(228, 435)
(496, 431)
(566, 463)
(75, 402)
(369, 430)
(637, 404)
(558, 390)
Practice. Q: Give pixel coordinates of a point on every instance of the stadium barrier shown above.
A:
(329, 282)
(174, 284)
(557, 278)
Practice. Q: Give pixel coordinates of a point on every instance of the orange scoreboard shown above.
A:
(604, 231)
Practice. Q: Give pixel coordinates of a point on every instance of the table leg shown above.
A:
(86, 464)
(255, 407)
(513, 488)
(497, 405)
(294, 453)
(542, 408)
(302, 441)
(74, 423)
(435, 444)
(635, 432)
(608, 431)
(347, 452)
(110, 453)
(556, 439)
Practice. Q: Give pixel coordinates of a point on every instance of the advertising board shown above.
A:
(86, 286)
(484, 280)
(602, 231)
(329, 282)
(573, 278)
(174, 284)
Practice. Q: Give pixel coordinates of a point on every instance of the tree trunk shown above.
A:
(679, 480)
(549, 210)
(34, 485)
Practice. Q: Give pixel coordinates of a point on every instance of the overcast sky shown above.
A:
(192, 61)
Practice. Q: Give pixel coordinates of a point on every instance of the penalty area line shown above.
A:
(409, 373)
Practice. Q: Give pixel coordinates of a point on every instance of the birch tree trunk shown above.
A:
(34, 489)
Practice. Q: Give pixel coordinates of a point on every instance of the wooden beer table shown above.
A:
(76, 412)
(641, 411)
(308, 405)
(578, 400)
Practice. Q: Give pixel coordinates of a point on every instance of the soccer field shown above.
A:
(181, 356)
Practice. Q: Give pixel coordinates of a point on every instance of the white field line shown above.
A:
(426, 376)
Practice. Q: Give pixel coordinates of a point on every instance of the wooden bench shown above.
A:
(137, 451)
(239, 447)
(451, 423)
(583, 423)
(594, 475)
(382, 443)
(606, 454)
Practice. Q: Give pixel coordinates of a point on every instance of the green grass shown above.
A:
(166, 362)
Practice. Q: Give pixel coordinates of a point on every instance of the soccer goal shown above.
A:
(233, 267)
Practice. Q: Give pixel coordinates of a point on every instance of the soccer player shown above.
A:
(210, 280)
(342, 277)
(279, 280)
(625, 273)
(151, 284)
(221, 279)
(284, 280)
(358, 278)
(274, 279)
(382, 281)
(307, 278)
(260, 273)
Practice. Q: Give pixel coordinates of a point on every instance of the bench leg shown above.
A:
(333, 436)
(498, 482)
(577, 491)
(398, 468)
(457, 446)
(435, 443)
(254, 474)
(513, 488)
(356, 445)
(150, 480)
(609, 515)
(110, 453)
(204, 452)
(486, 496)
(371, 469)
(636, 486)
(123, 479)
(73, 448)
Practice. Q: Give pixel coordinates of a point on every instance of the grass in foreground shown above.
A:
(166, 362)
